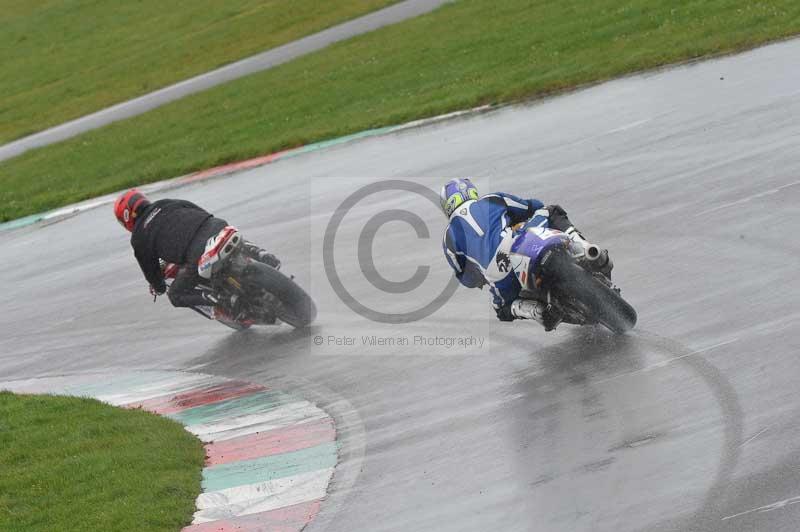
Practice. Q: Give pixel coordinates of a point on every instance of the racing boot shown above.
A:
(545, 314)
(597, 258)
(256, 253)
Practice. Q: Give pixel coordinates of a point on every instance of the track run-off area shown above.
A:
(689, 176)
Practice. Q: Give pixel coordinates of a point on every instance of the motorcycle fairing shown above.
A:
(534, 245)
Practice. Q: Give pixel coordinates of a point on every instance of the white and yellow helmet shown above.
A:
(455, 192)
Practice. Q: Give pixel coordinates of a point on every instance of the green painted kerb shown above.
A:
(270, 467)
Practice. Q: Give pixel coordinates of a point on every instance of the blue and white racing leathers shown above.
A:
(478, 238)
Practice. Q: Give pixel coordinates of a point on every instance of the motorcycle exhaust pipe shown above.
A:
(598, 258)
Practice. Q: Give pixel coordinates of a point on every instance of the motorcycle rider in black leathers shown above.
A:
(176, 231)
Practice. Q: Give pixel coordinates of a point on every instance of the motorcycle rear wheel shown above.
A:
(296, 307)
(605, 305)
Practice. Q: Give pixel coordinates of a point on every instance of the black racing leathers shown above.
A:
(183, 291)
(168, 229)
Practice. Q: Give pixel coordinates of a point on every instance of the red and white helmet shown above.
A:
(128, 206)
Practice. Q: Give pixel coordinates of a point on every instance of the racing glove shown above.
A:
(158, 290)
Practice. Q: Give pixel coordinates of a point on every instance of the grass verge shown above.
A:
(71, 464)
(63, 59)
(464, 54)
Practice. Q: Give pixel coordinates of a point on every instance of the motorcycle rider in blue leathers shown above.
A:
(478, 239)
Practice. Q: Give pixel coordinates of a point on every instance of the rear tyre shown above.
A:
(605, 305)
(295, 306)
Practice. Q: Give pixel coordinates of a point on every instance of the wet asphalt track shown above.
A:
(689, 176)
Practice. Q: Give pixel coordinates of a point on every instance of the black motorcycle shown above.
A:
(265, 295)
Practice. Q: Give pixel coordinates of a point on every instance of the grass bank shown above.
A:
(72, 464)
(62, 59)
(464, 54)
